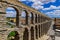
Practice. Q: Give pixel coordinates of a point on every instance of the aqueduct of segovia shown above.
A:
(34, 28)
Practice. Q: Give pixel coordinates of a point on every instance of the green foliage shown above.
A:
(12, 26)
(11, 34)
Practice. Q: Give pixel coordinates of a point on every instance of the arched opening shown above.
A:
(12, 16)
(35, 18)
(32, 33)
(13, 36)
(41, 18)
(39, 30)
(24, 17)
(31, 18)
(38, 18)
(43, 29)
(46, 27)
(26, 34)
(36, 30)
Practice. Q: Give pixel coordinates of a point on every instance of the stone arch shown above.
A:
(39, 18)
(35, 18)
(32, 33)
(13, 35)
(32, 18)
(24, 16)
(31, 15)
(36, 31)
(17, 14)
(39, 30)
(26, 34)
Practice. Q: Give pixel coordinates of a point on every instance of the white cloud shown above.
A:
(53, 0)
(46, 9)
(51, 7)
(10, 15)
(10, 12)
(37, 6)
(55, 13)
(37, 3)
(47, 1)
(14, 12)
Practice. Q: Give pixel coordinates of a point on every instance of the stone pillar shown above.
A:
(34, 18)
(29, 34)
(34, 33)
(28, 18)
(20, 17)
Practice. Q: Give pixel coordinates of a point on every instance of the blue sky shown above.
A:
(48, 7)
(10, 12)
(56, 3)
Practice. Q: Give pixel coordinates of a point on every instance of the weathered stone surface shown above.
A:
(24, 30)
